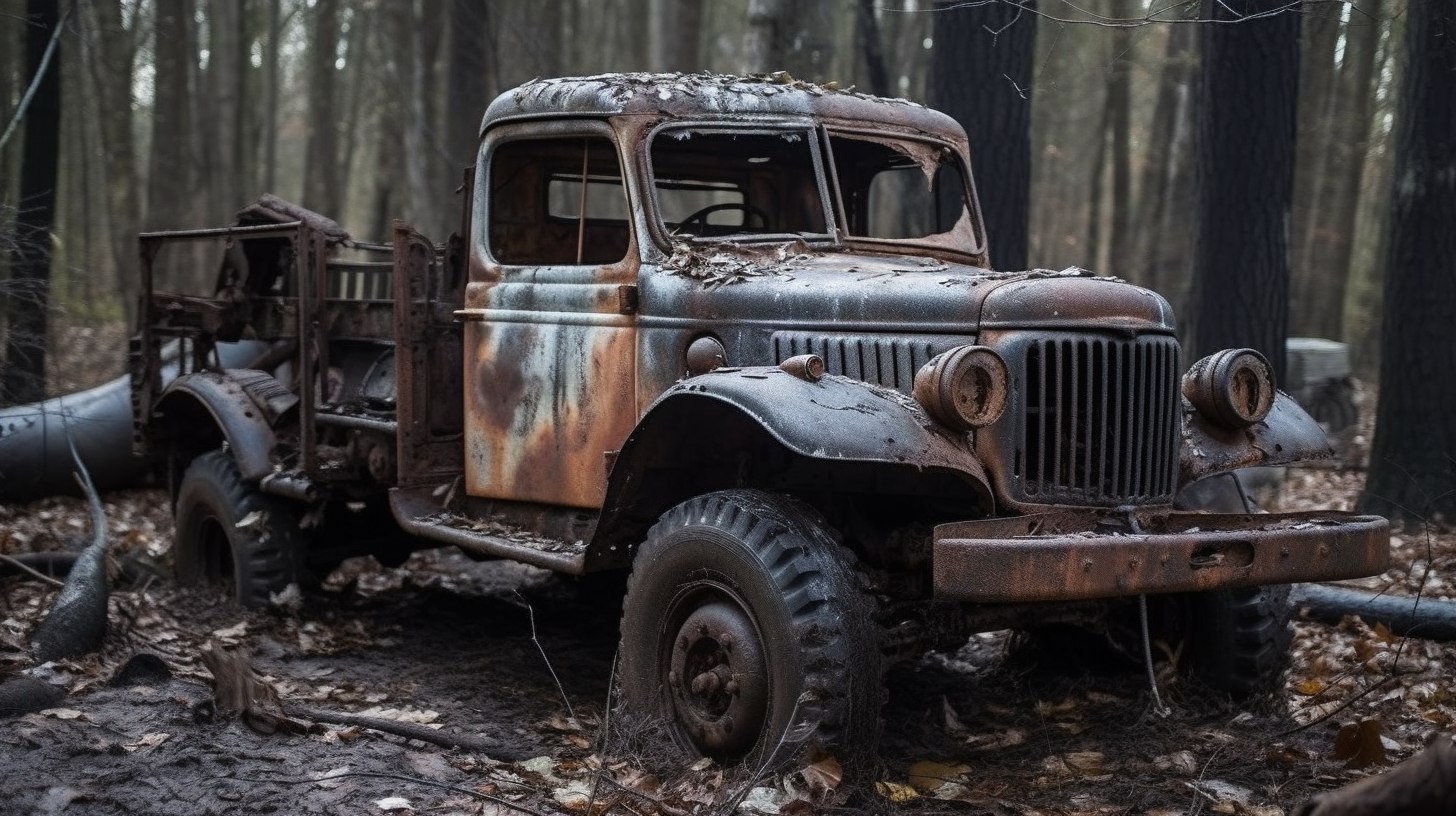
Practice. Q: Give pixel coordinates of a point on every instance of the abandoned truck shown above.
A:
(738, 340)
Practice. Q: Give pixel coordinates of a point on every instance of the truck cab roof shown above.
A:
(700, 96)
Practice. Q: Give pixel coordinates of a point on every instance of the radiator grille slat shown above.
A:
(883, 359)
(1099, 420)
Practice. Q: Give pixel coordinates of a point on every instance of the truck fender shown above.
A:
(243, 405)
(835, 419)
(1287, 435)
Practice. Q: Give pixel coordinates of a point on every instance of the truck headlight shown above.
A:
(964, 388)
(1233, 388)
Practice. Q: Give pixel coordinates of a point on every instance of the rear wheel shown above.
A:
(745, 631)
(232, 535)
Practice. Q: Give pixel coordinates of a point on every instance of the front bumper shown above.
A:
(1079, 555)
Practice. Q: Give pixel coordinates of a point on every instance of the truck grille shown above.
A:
(1100, 420)
(890, 360)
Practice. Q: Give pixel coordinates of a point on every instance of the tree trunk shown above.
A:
(761, 39)
(170, 169)
(1246, 177)
(1166, 154)
(225, 72)
(112, 52)
(270, 97)
(1119, 115)
(871, 47)
(1321, 301)
(469, 82)
(28, 295)
(1316, 117)
(1412, 465)
(321, 170)
(674, 28)
(981, 75)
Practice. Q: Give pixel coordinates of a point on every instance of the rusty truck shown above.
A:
(741, 341)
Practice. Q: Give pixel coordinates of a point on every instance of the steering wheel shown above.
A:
(700, 218)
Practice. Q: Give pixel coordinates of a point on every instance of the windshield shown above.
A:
(716, 183)
(900, 189)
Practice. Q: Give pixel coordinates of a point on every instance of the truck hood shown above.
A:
(854, 291)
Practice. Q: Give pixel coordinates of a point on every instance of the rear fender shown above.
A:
(836, 420)
(1288, 435)
(243, 407)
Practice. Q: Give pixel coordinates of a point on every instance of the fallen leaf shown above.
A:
(62, 713)
(1359, 744)
(896, 792)
(1086, 763)
(823, 776)
(393, 803)
(328, 779)
(1310, 686)
(926, 776)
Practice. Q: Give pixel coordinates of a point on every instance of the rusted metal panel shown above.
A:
(427, 368)
(1287, 435)
(1080, 554)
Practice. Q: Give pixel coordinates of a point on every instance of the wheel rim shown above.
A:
(717, 676)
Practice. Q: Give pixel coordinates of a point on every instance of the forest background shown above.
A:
(1101, 154)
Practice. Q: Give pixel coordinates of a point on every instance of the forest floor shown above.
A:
(518, 655)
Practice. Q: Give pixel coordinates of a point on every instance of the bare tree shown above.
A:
(110, 56)
(1413, 458)
(1245, 177)
(321, 172)
(981, 75)
(28, 298)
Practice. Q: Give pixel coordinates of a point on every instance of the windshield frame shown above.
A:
(942, 241)
(809, 129)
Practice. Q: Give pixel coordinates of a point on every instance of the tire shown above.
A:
(745, 631)
(253, 561)
(1233, 640)
(1239, 638)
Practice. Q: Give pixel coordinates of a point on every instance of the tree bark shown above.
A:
(981, 75)
(871, 47)
(28, 295)
(1319, 36)
(1166, 165)
(1320, 292)
(270, 97)
(674, 29)
(469, 82)
(1119, 135)
(1412, 464)
(1245, 178)
(170, 168)
(112, 52)
(321, 171)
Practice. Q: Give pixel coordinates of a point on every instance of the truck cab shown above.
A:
(741, 340)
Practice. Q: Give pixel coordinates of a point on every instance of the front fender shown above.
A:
(836, 418)
(242, 405)
(1288, 435)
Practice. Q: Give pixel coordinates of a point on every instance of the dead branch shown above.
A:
(1404, 615)
(76, 623)
(481, 745)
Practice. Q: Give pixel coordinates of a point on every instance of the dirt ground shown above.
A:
(519, 656)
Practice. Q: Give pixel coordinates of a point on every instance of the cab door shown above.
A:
(550, 324)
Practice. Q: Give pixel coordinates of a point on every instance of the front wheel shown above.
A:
(745, 630)
(230, 534)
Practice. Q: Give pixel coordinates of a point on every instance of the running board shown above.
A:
(421, 513)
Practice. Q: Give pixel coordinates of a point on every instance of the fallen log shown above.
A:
(1424, 785)
(1402, 614)
(76, 623)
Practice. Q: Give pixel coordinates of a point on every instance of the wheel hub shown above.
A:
(718, 680)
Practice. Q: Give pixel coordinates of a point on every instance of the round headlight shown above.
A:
(1233, 388)
(703, 355)
(964, 388)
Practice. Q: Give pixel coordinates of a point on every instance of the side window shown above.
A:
(557, 202)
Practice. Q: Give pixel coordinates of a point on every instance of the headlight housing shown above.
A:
(1233, 388)
(964, 388)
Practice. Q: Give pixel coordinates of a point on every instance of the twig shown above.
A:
(18, 564)
(1201, 775)
(1342, 706)
(505, 803)
(560, 688)
(487, 746)
(45, 62)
